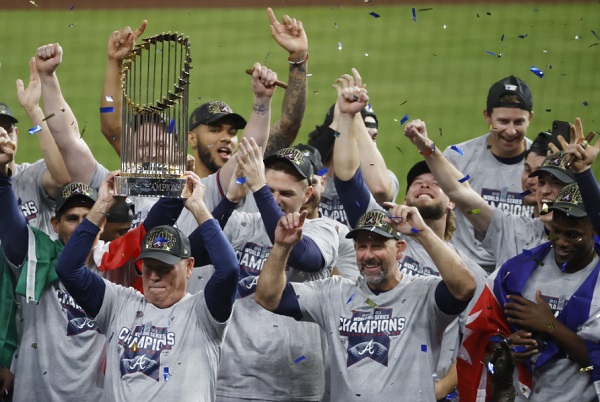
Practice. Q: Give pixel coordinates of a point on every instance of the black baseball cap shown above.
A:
(555, 164)
(300, 162)
(313, 155)
(323, 137)
(417, 170)
(540, 144)
(368, 111)
(510, 85)
(75, 195)
(166, 244)
(5, 112)
(372, 221)
(570, 202)
(212, 111)
(124, 211)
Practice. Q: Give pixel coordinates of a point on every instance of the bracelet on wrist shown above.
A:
(295, 63)
(430, 151)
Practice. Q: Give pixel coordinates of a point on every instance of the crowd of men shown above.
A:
(292, 272)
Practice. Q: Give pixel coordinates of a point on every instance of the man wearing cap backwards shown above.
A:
(261, 349)
(545, 301)
(507, 234)
(166, 343)
(494, 161)
(385, 324)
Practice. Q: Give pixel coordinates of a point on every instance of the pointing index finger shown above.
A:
(141, 29)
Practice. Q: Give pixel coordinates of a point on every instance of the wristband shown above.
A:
(295, 63)
(430, 152)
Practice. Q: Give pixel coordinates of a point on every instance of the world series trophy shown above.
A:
(155, 82)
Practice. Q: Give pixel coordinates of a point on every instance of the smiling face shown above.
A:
(290, 192)
(509, 126)
(547, 190)
(164, 284)
(573, 241)
(377, 258)
(214, 143)
(425, 194)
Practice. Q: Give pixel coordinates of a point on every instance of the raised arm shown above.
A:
(76, 154)
(221, 288)
(272, 280)
(120, 44)
(263, 86)
(29, 98)
(454, 272)
(290, 35)
(450, 179)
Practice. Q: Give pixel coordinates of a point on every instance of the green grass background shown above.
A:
(436, 68)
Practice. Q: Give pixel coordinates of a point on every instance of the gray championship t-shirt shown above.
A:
(35, 204)
(381, 347)
(498, 183)
(169, 354)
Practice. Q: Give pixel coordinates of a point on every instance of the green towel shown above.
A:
(8, 310)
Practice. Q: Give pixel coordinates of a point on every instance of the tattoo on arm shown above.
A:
(260, 109)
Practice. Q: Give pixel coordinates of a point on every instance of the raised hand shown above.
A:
(406, 220)
(29, 98)
(582, 152)
(352, 93)
(48, 58)
(121, 42)
(106, 192)
(289, 34)
(194, 189)
(236, 192)
(250, 160)
(416, 132)
(7, 151)
(263, 81)
(289, 229)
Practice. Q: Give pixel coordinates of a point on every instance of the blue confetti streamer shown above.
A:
(298, 360)
(519, 349)
(172, 126)
(563, 267)
(490, 53)
(414, 230)
(404, 119)
(322, 172)
(108, 109)
(464, 179)
(595, 34)
(34, 130)
(451, 396)
(502, 38)
(241, 180)
(72, 7)
(166, 373)
(490, 367)
(423, 348)
(524, 193)
(414, 14)
(457, 149)
(374, 14)
(523, 36)
(496, 338)
(350, 299)
(537, 71)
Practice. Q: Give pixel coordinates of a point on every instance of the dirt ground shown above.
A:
(124, 4)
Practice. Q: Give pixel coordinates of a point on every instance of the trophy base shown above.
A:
(149, 186)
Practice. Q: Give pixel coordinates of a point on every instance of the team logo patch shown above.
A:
(160, 240)
(142, 348)
(369, 333)
(217, 107)
(413, 267)
(510, 87)
(77, 321)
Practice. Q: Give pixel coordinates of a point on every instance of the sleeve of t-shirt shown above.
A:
(98, 176)
(395, 185)
(355, 197)
(13, 227)
(323, 235)
(590, 192)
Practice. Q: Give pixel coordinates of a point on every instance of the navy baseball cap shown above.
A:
(166, 244)
(313, 155)
(372, 221)
(510, 85)
(210, 112)
(5, 112)
(124, 211)
(300, 162)
(75, 195)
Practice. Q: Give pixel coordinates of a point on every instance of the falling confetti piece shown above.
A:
(563, 267)
(371, 303)
(309, 75)
(414, 14)
(298, 360)
(339, 45)
(48, 117)
(577, 37)
(404, 119)
(502, 38)
(452, 396)
(350, 299)
(519, 349)
(374, 14)
(586, 369)
(316, 92)
(457, 149)
(444, 26)
(241, 180)
(524, 193)
(108, 109)
(399, 149)
(166, 374)
(440, 131)
(322, 172)
(367, 54)
(523, 36)
(71, 8)
(537, 71)
(171, 126)
(110, 98)
(474, 211)
(414, 230)
(490, 53)
(134, 347)
(596, 35)
(335, 25)
(33, 2)
(423, 348)
(548, 110)
(71, 25)
(425, 9)
(35, 129)
(464, 179)
(488, 13)
(403, 103)
(82, 131)
(585, 103)
(540, 263)
(594, 44)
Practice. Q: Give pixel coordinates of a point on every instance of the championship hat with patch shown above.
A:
(555, 164)
(75, 195)
(313, 155)
(373, 221)
(124, 211)
(210, 112)
(5, 112)
(166, 244)
(510, 85)
(301, 163)
(570, 202)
